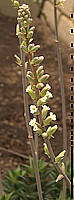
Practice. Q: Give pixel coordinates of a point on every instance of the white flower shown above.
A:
(48, 86)
(52, 116)
(35, 128)
(49, 94)
(33, 109)
(32, 122)
(28, 88)
(43, 99)
(45, 107)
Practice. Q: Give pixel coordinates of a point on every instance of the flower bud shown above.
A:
(45, 111)
(46, 149)
(59, 178)
(60, 156)
(32, 28)
(16, 4)
(40, 74)
(30, 73)
(43, 78)
(34, 48)
(30, 40)
(51, 130)
(47, 121)
(40, 85)
(31, 92)
(18, 60)
(44, 135)
(12, 1)
(38, 71)
(41, 101)
(24, 48)
(30, 34)
(44, 90)
(17, 29)
(37, 60)
(31, 80)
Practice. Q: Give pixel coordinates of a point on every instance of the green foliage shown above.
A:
(21, 184)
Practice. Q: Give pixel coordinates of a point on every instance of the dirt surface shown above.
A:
(13, 132)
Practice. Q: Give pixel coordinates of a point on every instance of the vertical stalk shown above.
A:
(62, 94)
(35, 135)
(30, 136)
(41, 8)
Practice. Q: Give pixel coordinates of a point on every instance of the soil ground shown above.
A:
(13, 132)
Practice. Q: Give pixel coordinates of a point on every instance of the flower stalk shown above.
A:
(40, 94)
(26, 110)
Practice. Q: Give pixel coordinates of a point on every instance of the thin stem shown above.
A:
(41, 8)
(29, 59)
(30, 136)
(52, 156)
(14, 153)
(62, 94)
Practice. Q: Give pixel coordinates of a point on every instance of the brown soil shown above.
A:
(13, 132)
